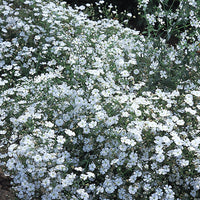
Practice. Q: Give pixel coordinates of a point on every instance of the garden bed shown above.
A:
(94, 110)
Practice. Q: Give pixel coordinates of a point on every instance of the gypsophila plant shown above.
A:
(104, 10)
(95, 110)
(176, 23)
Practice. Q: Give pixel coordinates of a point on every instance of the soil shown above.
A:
(6, 192)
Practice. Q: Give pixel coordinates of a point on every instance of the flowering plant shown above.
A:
(86, 115)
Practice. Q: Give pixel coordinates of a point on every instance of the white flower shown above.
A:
(2, 132)
(195, 143)
(37, 158)
(175, 118)
(125, 114)
(81, 7)
(129, 14)
(119, 62)
(60, 139)
(80, 169)
(133, 178)
(184, 162)
(125, 73)
(95, 72)
(84, 195)
(160, 157)
(192, 3)
(92, 167)
(190, 110)
(177, 152)
(37, 37)
(164, 170)
(99, 116)
(114, 161)
(133, 61)
(136, 71)
(189, 99)
(92, 187)
(110, 189)
(132, 189)
(49, 124)
(100, 138)
(177, 140)
(154, 196)
(83, 176)
(46, 182)
(151, 19)
(59, 122)
(180, 122)
(49, 134)
(92, 124)
(196, 93)
(66, 117)
(60, 160)
(69, 132)
(10, 163)
(90, 175)
(164, 113)
(138, 113)
(82, 123)
(52, 174)
(68, 180)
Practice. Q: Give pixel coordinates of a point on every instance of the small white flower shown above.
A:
(52, 174)
(69, 132)
(138, 113)
(133, 61)
(92, 187)
(2, 132)
(92, 167)
(66, 117)
(68, 180)
(60, 139)
(160, 157)
(129, 14)
(184, 162)
(95, 72)
(49, 124)
(82, 123)
(125, 73)
(177, 152)
(37, 37)
(80, 169)
(37, 158)
(46, 182)
(82, 7)
(125, 114)
(92, 124)
(59, 122)
(83, 176)
(196, 93)
(190, 110)
(84, 195)
(136, 71)
(132, 189)
(195, 143)
(118, 181)
(180, 122)
(189, 99)
(90, 175)
(119, 62)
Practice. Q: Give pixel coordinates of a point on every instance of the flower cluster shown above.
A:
(79, 118)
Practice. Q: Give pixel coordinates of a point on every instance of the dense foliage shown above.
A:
(94, 110)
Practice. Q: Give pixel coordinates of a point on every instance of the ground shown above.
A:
(5, 188)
